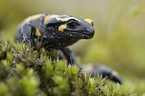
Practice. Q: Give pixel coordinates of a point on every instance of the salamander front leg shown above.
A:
(69, 56)
(28, 31)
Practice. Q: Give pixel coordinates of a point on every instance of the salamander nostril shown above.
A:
(85, 28)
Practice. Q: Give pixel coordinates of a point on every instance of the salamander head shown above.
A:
(70, 26)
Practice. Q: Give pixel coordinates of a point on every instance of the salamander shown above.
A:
(58, 32)
(55, 32)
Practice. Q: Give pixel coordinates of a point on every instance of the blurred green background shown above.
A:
(119, 41)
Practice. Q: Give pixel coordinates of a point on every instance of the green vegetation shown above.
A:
(34, 74)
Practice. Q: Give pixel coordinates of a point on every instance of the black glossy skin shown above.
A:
(103, 70)
(55, 32)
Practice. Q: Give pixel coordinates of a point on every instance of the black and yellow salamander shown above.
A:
(55, 32)
(58, 32)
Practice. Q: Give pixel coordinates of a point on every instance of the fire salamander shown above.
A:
(57, 32)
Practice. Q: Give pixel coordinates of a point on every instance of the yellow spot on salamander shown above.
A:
(38, 33)
(114, 73)
(48, 17)
(89, 20)
(34, 17)
(66, 19)
(62, 27)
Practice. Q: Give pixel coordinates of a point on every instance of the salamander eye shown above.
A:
(72, 23)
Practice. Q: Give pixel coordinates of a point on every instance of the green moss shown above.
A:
(4, 89)
(34, 74)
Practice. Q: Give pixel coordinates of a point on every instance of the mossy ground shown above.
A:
(30, 72)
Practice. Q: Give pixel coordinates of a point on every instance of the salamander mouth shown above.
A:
(83, 35)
